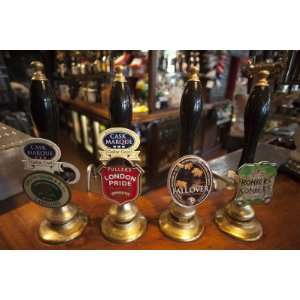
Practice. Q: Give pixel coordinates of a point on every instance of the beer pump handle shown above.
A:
(120, 102)
(255, 117)
(180, 220)
(120, 109)
(43, 104)
(190, 112)
(123, 223)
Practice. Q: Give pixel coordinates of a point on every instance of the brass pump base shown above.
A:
(239, 222)
(62, 224)
(124, 223)
(181, 224)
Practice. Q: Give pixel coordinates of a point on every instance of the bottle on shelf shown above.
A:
(97, 66)
(74, 65)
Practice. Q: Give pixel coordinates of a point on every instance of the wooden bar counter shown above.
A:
(19, 220)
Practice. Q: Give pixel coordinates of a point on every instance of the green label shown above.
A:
(256, 183)
(45, 190)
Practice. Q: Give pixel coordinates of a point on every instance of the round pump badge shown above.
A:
(46, 189)
(189, 180)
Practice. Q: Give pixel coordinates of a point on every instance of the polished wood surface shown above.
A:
(280, 220)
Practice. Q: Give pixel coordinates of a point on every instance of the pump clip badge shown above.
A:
(43, 155)
(46, 189)
(189, 181)
(121, 184)
(256, 183)
(119, 142)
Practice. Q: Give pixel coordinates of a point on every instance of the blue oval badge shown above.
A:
(118, 140)
(41, 149)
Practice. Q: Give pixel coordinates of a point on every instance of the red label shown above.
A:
(120, 184)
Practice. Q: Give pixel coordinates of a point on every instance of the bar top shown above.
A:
(280, 220)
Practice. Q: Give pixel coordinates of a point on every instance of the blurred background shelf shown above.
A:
(82, 82)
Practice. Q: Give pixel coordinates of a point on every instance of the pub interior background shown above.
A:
(82, 81)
